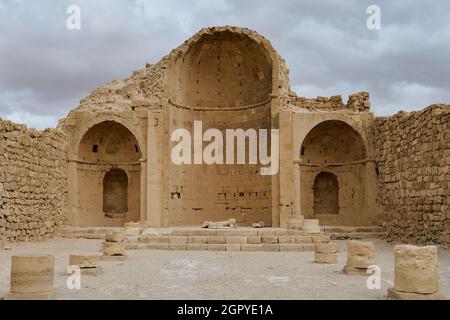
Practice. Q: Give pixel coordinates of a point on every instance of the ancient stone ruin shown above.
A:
(109, 161)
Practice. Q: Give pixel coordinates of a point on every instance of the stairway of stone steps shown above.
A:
(267, 239)
(354, 233)
(195, 239)
(86, 232)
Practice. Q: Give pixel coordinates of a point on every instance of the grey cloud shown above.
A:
(46, 69)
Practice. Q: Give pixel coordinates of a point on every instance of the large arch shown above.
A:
(108, 174)
(333, 159)
(224, 78)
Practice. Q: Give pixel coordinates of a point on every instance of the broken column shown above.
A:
(114, 247)
(326, 253)
(416, 273)
(31, 277)
(360, 256)
(88, 264)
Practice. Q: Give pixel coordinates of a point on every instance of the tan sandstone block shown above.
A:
(236, 240)
(326, 258)
(83, 261)
(327, 248)
(311, 226)
(197, 247)
(360, 254)
(217, 240)
(254, 240)
(32, 274)
(322, 238)
(178, 240)
(233, 247)
(269, 240)
(197, 240)
(271, 247)
(115, 237)
(251, 247)
(216, 247)
(416, 269)
(286, 239)
(296, 247)
(113, 248)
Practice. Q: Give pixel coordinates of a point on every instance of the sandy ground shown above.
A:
(209, 275)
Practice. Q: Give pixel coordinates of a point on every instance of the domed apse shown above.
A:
(332, 142)
(224, 80)
(223, 70)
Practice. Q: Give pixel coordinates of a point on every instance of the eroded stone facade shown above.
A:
(33, 182)
(413, 189)
(338, 163)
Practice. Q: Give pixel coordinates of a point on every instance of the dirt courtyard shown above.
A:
(180, 275)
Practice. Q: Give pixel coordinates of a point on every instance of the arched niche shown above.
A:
(109, 141)
(332, 141)
(115, 193)
(326, 194)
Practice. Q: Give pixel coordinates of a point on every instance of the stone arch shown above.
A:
(236, 54)
(107, 175)
(222, 70)
(129, 124)
(326, 194)
(332, 141)
(115, 192)
(109, 141)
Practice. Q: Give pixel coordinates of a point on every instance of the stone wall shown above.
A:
(413, 158)
(33, 183)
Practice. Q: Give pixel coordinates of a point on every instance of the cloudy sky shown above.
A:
(45, 69)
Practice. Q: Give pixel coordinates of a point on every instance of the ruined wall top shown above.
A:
(148, 87)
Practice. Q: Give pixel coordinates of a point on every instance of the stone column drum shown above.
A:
(32, 277)
(114, 247)
(360, 256)
(416, 273)
(326, 253)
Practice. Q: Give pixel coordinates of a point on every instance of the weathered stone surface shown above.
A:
(83, 261)
(32, 274)
(412, 155)
(326, 248)
(360, 254)
(113, 248)
(323, 238)
(254, 240)
(311, 226)
(33, 182)
(326, 258)
(416, 269)
(115, 237)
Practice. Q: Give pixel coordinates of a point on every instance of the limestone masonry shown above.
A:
(108, 163)
(33, 182)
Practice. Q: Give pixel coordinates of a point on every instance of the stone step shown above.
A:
(284, 247)
(154, 239)
(345, 229)
(357, 235)
(354, 233)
